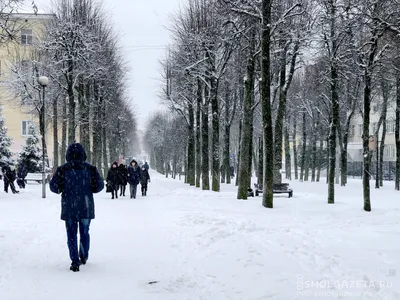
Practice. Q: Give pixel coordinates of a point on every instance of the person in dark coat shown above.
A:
(133, 177)
(123, 175)
(146, 166)
(76, 181)
(22, 172)
(9, 175)
(144, 180)
(113, 179)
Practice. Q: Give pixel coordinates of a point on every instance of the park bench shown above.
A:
(277, 188)
(36, 177)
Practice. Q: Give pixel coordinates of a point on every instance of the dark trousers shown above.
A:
(11, 184)
(144, 189)
(133, 188)
(114, 190)
(122, 188)
(84, 244)
(21, 183)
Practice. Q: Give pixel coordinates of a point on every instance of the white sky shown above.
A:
(141, 26)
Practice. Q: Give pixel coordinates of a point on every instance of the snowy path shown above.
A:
(202, 245)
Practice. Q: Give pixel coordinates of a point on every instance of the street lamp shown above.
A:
(43, 82)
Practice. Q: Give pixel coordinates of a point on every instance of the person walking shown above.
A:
(144, 180)
(133, 177)
(9, 176)
(113, 179)
(76, 181)
(146, 166)
(123, 176)
(22, 173)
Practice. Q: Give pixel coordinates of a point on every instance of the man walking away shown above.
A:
(76, 181)
(144, 179)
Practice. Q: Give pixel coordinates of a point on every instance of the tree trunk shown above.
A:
(215, 134)
(56, 162)
(199, 98)
(333, 132)
(246, 137)
(382, 122)
(295, 154)
(97, 131)
(191, 155)
(304, 148)
(64, 140)
(335, 105)
(283, 88)
(268, 137)
(204, 140)
(260, 162)
(239, 154)
(366, 119)
(319, 159)
(104, 139)
(314, 150)
(227, 135)
(85, 120)
(397, 132)
(288, 159)
(71, 106)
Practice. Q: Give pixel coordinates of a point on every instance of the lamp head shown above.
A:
(43, 80)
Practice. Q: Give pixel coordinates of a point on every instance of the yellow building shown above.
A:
(27, 31)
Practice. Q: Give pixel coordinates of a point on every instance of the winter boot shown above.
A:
(74, 268)
(83, 260)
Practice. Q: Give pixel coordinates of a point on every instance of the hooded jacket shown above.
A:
(133, 173)
(76, 181)
(113, 176)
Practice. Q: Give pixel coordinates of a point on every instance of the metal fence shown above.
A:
(355, 169)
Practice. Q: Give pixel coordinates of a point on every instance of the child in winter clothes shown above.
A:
(144, 179)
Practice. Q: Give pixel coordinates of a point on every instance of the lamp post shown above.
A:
(43, 82)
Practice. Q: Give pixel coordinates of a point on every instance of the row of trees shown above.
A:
(87, 95)
(284, 71)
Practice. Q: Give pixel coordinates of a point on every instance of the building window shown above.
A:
(26, 36)
(360, 129)
(27, 128)
(352, 130)
(374, 127)
(390, 126)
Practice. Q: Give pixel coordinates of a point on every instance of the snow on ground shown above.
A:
(204, 245)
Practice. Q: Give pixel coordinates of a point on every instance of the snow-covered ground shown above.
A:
(203, 245)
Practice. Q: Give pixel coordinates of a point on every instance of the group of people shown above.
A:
(119, 176)
(10, 174)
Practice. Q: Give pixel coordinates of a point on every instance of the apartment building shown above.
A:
(18, 115)
(355, 148)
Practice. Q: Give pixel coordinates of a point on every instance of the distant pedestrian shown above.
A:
(144, 180)
(76, 181)
(133, 177)
(123, 175)
(113, 179)
(22, 173)
(9, 176)
(146, 165)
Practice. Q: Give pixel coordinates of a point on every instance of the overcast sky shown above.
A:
(141, 26)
